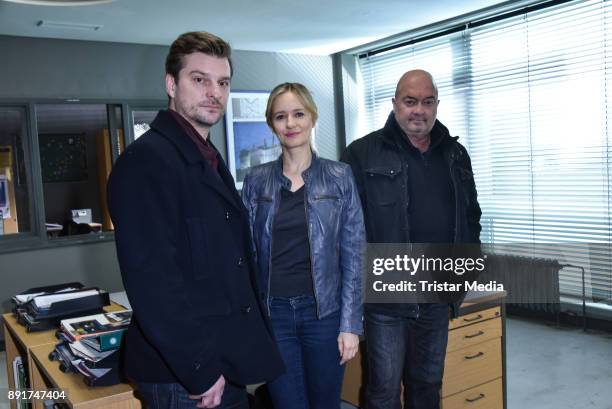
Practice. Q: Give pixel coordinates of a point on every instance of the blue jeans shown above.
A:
(175, 396)
(408, 350)
(309, 347)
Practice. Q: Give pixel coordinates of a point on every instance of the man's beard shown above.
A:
(205, 120)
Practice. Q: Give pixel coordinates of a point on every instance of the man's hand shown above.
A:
(348, 345)
(212, 397)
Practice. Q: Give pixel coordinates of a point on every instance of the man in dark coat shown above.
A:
(416, 186)
(199, 332)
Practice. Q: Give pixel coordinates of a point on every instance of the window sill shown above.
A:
(20, 243)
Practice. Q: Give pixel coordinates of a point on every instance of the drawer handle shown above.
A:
(476, 318)
(480, 396)
(479, 333)
(474, 356)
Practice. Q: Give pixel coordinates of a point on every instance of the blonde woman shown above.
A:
(308, 234)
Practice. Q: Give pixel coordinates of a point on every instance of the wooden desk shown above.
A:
(20, 342)
(46, 374)
(475, 366)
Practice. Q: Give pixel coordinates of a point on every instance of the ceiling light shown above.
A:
(61, 2)
(69, 25)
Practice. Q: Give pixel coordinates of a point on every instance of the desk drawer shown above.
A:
(469, 335)
(473, 365)
(475, 317)
(487, 396)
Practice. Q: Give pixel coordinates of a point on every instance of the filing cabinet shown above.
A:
(475, 358)
(473, 370)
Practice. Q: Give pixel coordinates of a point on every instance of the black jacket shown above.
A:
(183, 243)
(381, 175)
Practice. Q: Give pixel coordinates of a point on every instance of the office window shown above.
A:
(55, 160)
(529, 95)
(544, 141)
(442, 57)
(14, 182)
(75, 153)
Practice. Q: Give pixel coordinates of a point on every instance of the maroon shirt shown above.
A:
(209, 153)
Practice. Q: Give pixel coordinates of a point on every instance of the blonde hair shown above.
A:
(300, 91)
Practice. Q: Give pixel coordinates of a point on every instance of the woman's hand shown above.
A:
(348, 345)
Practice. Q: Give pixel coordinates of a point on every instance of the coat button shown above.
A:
(246, 309)
(196, 366)
(227, 215)
(240, 261)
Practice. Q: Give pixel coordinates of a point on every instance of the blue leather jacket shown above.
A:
(335, 229)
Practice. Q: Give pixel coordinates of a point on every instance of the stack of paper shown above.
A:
(45, 301)
(90, 346)
(95, 325)
(42, 308)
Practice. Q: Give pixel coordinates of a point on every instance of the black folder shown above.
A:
(36, 318)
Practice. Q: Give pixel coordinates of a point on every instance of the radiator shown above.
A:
(532, 284)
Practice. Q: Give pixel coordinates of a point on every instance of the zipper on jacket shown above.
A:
(314, 289)
(451, 165)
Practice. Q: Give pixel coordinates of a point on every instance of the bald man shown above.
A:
(416, 186)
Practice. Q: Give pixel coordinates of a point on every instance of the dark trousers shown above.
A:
(309, 347)
(408, 350)
(174, 396)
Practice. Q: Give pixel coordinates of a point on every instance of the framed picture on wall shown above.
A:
(250, 141)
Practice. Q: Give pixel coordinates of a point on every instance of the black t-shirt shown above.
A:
(432, 202)
(291, 269)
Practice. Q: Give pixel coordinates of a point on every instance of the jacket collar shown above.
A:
(167, 126)
(223, 183)
(306, 175)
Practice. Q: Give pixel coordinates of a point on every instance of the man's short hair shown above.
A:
(196, 42)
